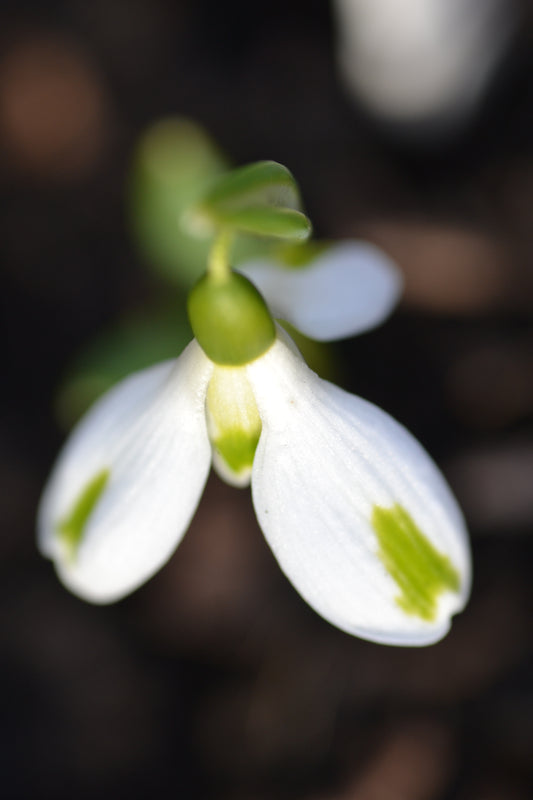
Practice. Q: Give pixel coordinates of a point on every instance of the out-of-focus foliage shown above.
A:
(135, 341)
(174, 164)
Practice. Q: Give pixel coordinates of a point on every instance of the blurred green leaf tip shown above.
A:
(174, 165)
(261, 199)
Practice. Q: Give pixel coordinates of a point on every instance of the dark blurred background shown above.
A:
(215, 680)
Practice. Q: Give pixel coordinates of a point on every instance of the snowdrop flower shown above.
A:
(359, 518)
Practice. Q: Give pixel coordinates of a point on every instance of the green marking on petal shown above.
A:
(237, 448)
(233, 423)
(421, 572)
(71, 528)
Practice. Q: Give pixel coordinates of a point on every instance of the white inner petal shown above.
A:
(233, 424)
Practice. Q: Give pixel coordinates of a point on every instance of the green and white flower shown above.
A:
(358, 516)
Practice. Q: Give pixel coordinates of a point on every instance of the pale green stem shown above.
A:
(218, 266)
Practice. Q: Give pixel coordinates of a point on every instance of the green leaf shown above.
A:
(174, 165)
(134, 342)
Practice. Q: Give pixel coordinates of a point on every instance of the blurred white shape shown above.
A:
(422, 61)
(347, 289)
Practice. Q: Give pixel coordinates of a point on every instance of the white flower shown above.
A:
(358, 516)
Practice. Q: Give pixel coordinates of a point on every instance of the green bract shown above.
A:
(260, 199)
(230, 319)
(281, 223)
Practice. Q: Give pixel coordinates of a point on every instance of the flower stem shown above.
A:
(218, 267)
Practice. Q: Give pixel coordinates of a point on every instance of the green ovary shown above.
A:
(421, 572)
(70, 529)
(229, 318)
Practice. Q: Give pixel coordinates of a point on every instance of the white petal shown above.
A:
(347, 289)
(326, 459)
(150, 433)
